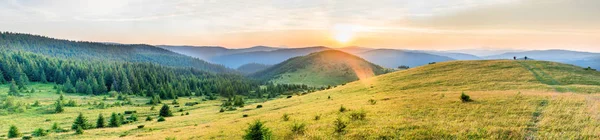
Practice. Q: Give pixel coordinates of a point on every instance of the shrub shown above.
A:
(165, 112)
(245, 115)
(372, 102)
(80, 122)
(222, 110)
(340, 125)
(130, 112)
(191, 103)
(161, 119)
(13, 132)
(140, 126)
(465, 98)
(358, 115)
(285, 117)
(114, 120)
(257, 131)
(259, 106)
(100, 121)
(342, 109)
(298, 128)
(26, 137)
(148, 118)
(57, 128)
(187, 113)
(39, 132)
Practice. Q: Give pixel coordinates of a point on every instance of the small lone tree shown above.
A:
(13, 132)
(100, 122)
(80, 121)
(13, 90)
(165, 111)
(114, 120)
(257, 131)
(465, 98)
(59, 106)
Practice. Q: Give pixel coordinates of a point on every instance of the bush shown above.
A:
(13, 132)
(39, 132)
(317, 117)
(161, 119)
(358, 115)
(285, 117)
(342, 109)
(465, 98)
(257, 131)
(148, 118)
(26, 137)
(245, 115)
(340, 125)
(187, 113)
(130, 112)
(222, 110)
(372, 102)
(140, 126)
(298, 128)
(191, 103)
(259, 106)
(165, 111)
(79, 130)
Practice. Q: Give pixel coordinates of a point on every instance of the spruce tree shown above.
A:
(165, 112)
(114, 120)
(13, 91)
(80, 121)
(13, 132)
(100, 122)
(257, 131)
(58, 106)
(78, 130)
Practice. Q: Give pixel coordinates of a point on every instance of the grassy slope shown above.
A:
(324, 68)
(511, 102)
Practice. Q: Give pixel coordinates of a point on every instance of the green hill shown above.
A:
(324, 68)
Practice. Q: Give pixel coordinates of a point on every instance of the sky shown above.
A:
(399, 24)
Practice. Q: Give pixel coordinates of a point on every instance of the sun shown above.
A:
(344, 33)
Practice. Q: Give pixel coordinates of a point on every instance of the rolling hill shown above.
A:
(79, 50)
(391, 58)
(511, 100)
(264, 57)
(330, 67)
(208, 52)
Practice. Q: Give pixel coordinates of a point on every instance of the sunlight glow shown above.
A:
(344, 33)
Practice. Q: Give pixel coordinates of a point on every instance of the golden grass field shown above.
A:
(512, 100)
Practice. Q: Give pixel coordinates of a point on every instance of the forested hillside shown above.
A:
(96, 77)
(87, 51)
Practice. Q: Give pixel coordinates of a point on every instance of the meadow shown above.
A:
(511, 100)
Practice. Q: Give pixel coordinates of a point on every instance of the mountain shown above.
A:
(252, 68)
(453, 55)
(208, 52)
(583, 59)
(264, 57)
(391, 58)
(86, 51)
(484, 52)
(330, 67)
(354, 49)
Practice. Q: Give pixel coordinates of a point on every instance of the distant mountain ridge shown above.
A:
(208, 52)
(81, 50)
(264, 57)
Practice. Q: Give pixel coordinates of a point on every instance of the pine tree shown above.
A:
(59, 106)
(125, 87)
(68, 86)
(2, 80)
(165, 112)
(114, 120)
(100, 122)
(80, 122)
(13, 132)
(257, 131)
(13, 91)
(43, 78)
